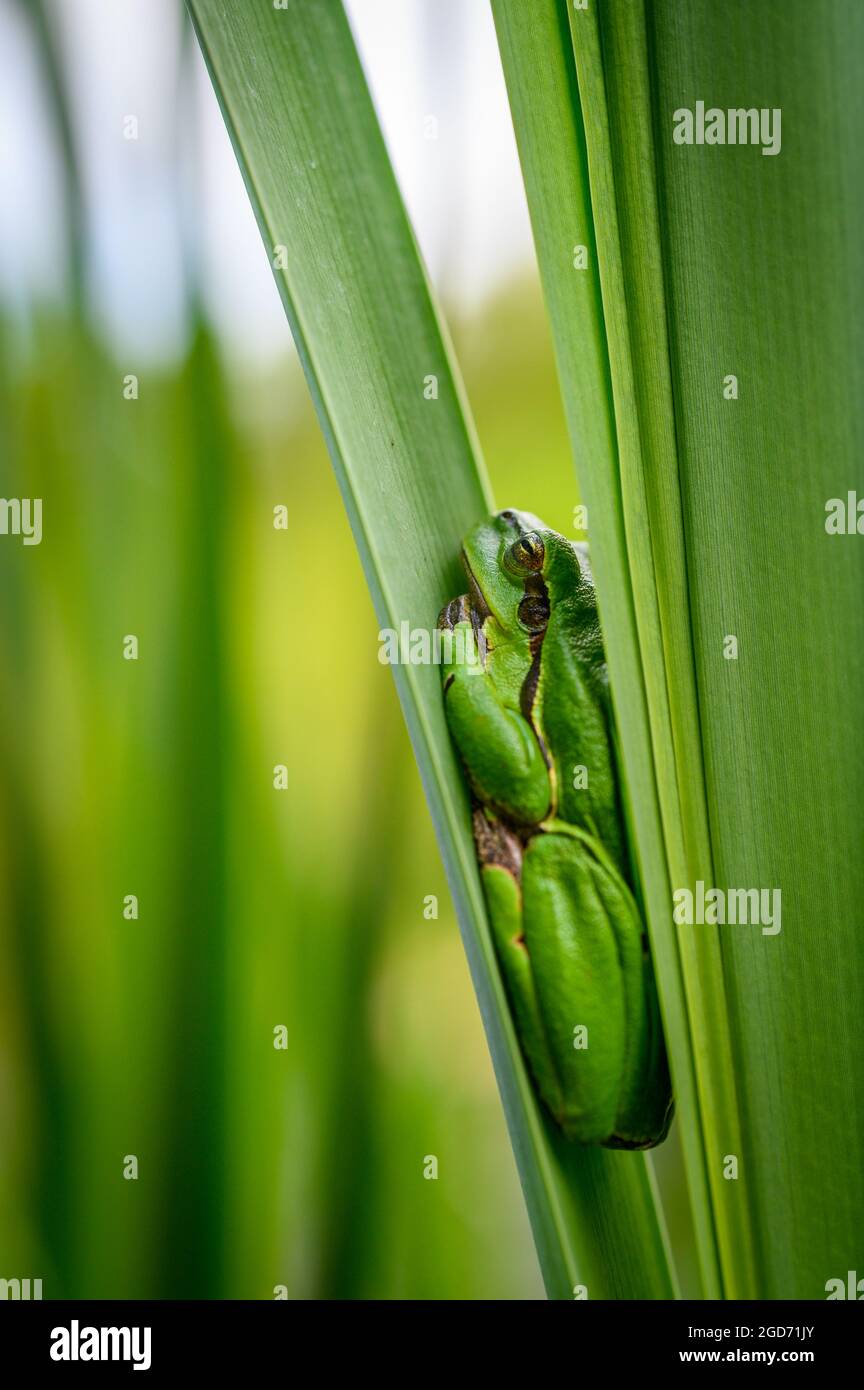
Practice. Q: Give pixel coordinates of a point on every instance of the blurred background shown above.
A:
(151, 396)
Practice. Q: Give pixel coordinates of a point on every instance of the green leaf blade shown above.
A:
(765, 276)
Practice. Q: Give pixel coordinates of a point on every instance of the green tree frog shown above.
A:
(532, 721)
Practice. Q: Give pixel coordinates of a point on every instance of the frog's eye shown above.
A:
(534, 612)
(525, 555)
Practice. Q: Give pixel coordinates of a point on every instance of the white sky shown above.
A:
(178, 184)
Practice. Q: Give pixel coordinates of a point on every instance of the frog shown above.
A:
(533, 723)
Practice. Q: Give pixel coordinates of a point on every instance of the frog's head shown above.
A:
(515, 567)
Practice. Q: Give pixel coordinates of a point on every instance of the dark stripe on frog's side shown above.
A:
(536, 591)
(535, 587)
(528, 691)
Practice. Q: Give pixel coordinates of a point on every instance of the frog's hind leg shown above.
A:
(500, 852)
(572, 941)
(643, 1109)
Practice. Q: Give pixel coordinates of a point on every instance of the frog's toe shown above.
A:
(458, 610)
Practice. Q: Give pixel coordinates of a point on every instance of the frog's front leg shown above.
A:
(498, 746)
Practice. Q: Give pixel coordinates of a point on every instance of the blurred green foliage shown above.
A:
(257, 907)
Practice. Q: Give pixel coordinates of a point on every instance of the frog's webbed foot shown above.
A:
(467, 641)
(458, 610)
(498, 846)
